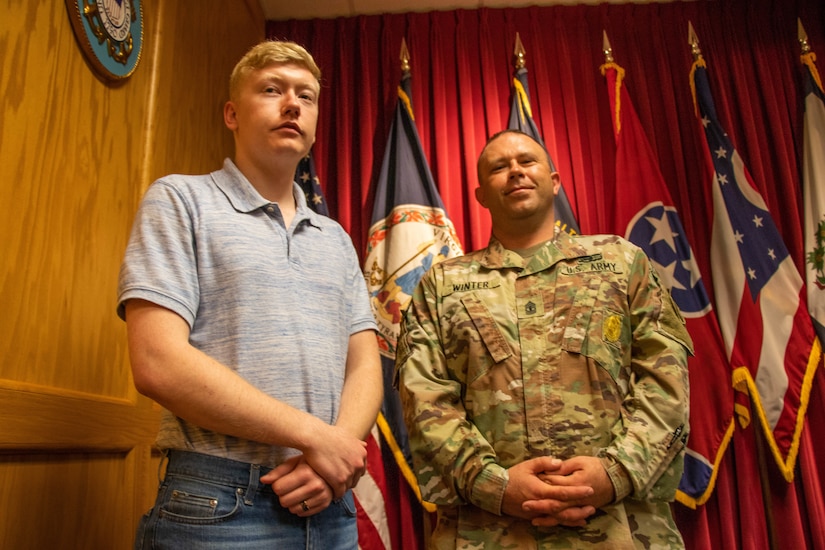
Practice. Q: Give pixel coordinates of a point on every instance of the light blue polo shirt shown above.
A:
(277, 305)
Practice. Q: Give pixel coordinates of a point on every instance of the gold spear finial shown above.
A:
(693, 40)
(519, 52)
(606, 49)
(405, 57)
(802, 36)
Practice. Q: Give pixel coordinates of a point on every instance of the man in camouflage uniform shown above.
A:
(544, 379)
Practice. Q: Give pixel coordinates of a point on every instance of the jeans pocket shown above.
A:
(186, 504)
(347, 505)
(202, 504)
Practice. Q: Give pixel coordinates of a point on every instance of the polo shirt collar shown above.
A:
(244, 197)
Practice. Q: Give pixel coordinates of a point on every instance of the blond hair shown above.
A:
(267, 53)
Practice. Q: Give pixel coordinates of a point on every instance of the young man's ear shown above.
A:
(230, 116)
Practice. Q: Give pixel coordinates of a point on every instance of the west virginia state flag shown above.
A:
(645, 215)
(410, 232)
(813, 183)
(521, 118)
(760, 295)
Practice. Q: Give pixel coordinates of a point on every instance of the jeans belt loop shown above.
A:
(254, 480)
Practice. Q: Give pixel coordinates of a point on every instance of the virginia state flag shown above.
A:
(813, 184)
(521, 118)
(645, 215)
(760, 295)
(410, 232)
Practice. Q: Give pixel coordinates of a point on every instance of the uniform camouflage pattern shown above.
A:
(579, 352)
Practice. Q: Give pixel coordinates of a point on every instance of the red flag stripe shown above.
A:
(373, 529)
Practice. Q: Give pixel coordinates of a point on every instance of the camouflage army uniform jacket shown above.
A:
(579, 352)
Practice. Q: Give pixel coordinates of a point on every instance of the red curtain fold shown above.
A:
(462, 70)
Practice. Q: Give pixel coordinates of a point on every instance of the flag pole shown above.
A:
(519, 53)
(802, 36)
(610, 63)
(808, 57)
(698, 61)
(404, 56)
(693, 41)
(606, 49)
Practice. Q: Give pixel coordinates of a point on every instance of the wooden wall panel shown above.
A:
(71, 150)
(189, 135)
(77, 467)
(67, 501)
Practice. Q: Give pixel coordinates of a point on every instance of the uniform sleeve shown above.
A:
(650, 447)
(453, 462)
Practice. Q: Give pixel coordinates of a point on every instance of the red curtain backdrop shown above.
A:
(462, 69)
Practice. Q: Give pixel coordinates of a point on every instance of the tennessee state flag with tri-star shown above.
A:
(760, 295)
(410, 232)
(645, 215)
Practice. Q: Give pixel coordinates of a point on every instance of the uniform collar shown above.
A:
(562, 247)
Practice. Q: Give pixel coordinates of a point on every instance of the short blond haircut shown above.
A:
(267, 53)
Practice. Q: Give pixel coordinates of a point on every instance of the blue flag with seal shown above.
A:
(521, 118)
(410, 232)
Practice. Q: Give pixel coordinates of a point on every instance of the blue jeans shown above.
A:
(211, 503)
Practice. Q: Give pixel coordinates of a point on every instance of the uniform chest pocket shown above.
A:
(490, 335)
(597, 327)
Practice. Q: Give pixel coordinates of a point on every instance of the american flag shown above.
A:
(760, 295)
(308, 180)
(370, 503)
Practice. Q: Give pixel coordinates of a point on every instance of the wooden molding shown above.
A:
(48, 421)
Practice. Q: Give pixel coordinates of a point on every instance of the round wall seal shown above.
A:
(110, 33)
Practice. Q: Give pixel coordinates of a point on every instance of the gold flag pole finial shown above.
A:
(802, 36)
(518, 53)
(606, 49)
(404, 57)
(693, 40)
